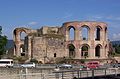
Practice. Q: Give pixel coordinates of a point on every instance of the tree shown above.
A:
(117, 48)
(3, 42)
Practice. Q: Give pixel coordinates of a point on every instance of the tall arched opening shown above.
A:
(97, 33)
(84, 32)
(71, 48)
(97, 50)
(85, 51)
(71, 33)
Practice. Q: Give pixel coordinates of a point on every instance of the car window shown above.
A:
(95, 63)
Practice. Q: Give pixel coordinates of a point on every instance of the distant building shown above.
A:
(49, 43)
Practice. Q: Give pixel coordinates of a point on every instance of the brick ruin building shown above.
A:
(49, 43)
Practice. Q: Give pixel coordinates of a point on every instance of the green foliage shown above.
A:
(117, 48)
(34, 60)
(71, 47)
(84, 48)
(82, 61)
(3, 42)
(20, 59)
(86, 55)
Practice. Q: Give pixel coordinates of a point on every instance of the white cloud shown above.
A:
(103, 17)
(67, 15)
(94, 17)
(116, 36)
(33, 23)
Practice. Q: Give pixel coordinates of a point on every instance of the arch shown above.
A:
(84, 32)
(17, 38)
(18, 31)
(98, 30)
(71, 32)
(98, 50)
(85, 50)
(71, 48)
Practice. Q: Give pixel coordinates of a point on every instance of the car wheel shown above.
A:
(7, 66)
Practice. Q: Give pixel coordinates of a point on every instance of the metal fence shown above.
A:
(64, 74)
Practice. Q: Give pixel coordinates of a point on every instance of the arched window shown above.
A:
(84, 32)
(84, 51)
(97, 51)
(71, 33)
(97, 33)
(71, 48)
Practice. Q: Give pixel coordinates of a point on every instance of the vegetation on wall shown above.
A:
(20, 59)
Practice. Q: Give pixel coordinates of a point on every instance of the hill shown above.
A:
(115, 42)
(10, 44)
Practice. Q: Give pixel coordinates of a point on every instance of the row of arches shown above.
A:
(85, 50)
(85, 32)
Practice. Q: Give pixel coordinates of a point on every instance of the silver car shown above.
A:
(65, 66)
(26, 65)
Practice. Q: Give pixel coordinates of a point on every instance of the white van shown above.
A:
(6, 63)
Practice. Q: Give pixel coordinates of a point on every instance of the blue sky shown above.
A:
(36, 13)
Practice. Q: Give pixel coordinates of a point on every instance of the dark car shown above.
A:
(116, 65)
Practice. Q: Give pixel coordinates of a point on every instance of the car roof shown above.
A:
(6, 59)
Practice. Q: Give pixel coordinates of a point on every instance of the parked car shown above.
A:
(93, 64)
(26, 65)
(83, 67)
(6, 62)
(65, 66)
(115, 65)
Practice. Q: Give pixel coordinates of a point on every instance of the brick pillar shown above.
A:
(67, 35)
(92, 45)
(17, 44)
(77, 35)
(29, 47)
(77, 54)
(102, 53)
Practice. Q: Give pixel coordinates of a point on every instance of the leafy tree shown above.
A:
(3, 42)
(34, 60)
(71, 47)
(117, 49)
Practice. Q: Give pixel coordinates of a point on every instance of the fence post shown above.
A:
(105, 73)
(78, 73)
(62, 75)
(92, 73)
(87, 73)
(73, 74)
(115, 71)
(57, 75)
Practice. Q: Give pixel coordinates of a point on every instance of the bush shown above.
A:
(34, 60)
